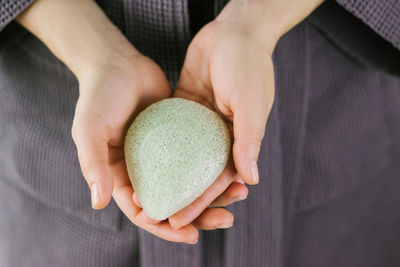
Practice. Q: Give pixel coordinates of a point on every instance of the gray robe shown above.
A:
(329, 192)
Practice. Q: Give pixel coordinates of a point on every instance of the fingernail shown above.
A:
(192, 243)
(238, 198)
(94, 194)
(254, 171)
(239, 180)
(223, 226)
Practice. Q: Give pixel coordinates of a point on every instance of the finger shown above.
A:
(122, 194)
(249, 121)
(235, 192)
(193, 83)
(136, 200)
(214, 218)
(145, 218)
(187, 234)
(239, 180)
(194, 209)
(89, 135)
(142, 216)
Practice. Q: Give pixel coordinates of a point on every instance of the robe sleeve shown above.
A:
(382, 16)
(9, 9)
(371, 36)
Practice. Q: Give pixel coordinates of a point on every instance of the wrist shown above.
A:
(266, 20)
(246, 17)
(77, 32)
(105, 47)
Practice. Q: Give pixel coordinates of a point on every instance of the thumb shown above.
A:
(91, 142)
(249, 120)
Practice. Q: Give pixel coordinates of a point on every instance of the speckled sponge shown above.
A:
(174, 150)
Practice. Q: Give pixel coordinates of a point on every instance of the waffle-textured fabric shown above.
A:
(382, 16)
(329, 163)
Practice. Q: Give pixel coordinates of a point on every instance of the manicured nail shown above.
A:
(95, 194)
(223, 226)
(238, 198)
(254, 171)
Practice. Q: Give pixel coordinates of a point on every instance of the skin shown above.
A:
(228, 68)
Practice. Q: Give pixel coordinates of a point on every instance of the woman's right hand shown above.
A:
(110, 97)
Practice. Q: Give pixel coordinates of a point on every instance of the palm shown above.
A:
(219, 63)
(110, 98)
(232, 74)
(197, 81)
(124, 104)
(213, 74)
(115, 93)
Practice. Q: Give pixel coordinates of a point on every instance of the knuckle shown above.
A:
(73, 132)
(254, 139)
(202, 200)
(158, 232)
(90, 164)
(222, 204)
(75, 129)
(174, 222)
(85, 168)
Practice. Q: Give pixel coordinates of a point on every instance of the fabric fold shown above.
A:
(383, 16)
(9, 9)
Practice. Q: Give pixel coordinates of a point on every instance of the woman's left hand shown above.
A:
(229, 69)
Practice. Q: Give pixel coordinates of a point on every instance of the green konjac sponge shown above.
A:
(174, 150)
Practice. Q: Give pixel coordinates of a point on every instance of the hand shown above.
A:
(230, 71)
(228, 67)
